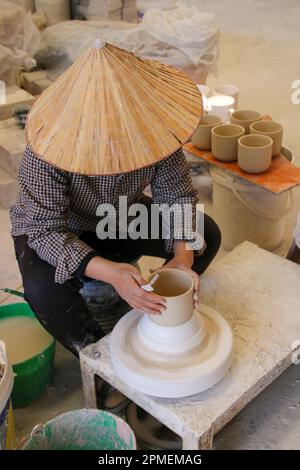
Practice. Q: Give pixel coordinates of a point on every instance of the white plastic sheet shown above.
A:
(187, 29)
(162, 35)
(19, 38)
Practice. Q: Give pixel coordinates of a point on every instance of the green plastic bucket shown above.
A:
(33, 375)
(86, 429)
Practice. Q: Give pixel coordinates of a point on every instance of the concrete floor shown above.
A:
(260, 43)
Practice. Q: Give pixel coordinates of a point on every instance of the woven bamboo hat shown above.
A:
(111, 112)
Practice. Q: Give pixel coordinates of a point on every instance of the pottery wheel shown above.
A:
(171, 362)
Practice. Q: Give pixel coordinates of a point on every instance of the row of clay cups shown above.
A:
(251, 121)
(253, 152)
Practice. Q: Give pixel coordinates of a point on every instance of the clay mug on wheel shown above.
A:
(177, 287)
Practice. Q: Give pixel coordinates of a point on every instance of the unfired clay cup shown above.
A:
(177, 287)
(229, 90)
(224, 141)
(272, 129)
(245, 118)
(220, 105)
(202, 137)
(255, 153)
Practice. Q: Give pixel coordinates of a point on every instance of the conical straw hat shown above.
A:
(111, 112)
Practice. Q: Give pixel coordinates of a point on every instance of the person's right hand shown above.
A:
(127, 279)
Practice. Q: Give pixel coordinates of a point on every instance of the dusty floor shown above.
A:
(260, 44)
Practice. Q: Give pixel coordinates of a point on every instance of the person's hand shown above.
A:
(127, 279)
(183, 261)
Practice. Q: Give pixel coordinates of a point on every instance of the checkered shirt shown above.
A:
(54, 206)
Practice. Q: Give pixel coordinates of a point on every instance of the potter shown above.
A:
(69, 168)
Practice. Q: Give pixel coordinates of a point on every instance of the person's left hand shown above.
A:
(183, 262)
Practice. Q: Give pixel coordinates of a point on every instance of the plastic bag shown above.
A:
(19, 38)
(170, 27)
(17, 30)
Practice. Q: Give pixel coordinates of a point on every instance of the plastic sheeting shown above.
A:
(19, 38)
(161, 36)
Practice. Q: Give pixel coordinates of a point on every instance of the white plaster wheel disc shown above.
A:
(174, 374)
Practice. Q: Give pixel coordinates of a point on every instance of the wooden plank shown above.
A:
(15, 98)
(281, 176)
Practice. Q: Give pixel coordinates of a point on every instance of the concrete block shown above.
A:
(12, 145)
(35, 82)
(40, 85)
(15, 97)
(9, 188)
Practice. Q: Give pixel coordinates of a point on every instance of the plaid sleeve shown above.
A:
(172, 185)
(45, 190)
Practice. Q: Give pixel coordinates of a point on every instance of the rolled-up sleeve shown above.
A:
(172, 185)
(45, 190)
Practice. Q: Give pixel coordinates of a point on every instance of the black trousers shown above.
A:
(60, 307)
